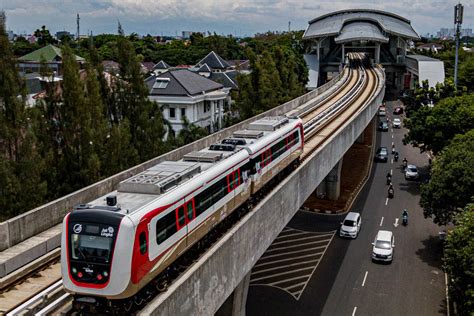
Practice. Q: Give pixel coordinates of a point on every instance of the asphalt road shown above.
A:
(344, 280)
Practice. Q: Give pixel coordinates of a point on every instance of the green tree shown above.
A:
(452, 180)
(459, 261)
(190, 133)
(21, 186)
(44, 37)
(145, 117)
(432, 128)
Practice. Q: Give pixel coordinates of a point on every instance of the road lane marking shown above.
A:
(391, 171)
(392, 135)
(291, 263)
(354, 311)
(381, 221)
(386, 201)
(396, 222)
(365, 277)
(391, 161)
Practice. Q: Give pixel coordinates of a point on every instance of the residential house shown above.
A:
(182, 93)
(51, 54)
(160, 67)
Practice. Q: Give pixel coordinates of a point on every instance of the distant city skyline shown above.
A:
(237, 17)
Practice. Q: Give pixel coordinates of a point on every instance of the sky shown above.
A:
(236, 17)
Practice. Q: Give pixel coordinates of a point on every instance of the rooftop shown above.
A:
(422, 58)
(332, 24)
(50, 53)
(180, 82)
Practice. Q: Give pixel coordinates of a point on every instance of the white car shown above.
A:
(350, 227)
(382, 111)
(411, 172)
(383, 246)
(397, 123)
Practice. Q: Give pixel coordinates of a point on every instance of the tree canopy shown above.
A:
(459, 261)
(452, 180)
(432, 128)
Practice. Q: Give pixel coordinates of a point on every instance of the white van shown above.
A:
(383, 246)
(350, 227)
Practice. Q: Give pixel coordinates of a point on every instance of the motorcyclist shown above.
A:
(405, 162)
(405, 217)
(390, 191)
(396, 156)
(389, 178)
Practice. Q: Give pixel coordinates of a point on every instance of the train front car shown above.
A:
(93, 267)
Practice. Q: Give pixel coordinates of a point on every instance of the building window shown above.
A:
(183, 112)
(172, 113)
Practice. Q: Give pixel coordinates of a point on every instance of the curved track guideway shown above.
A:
(334, 113)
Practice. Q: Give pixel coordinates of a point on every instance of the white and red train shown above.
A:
(113, 246)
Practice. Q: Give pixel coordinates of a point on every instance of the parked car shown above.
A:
(411, 172)
(383, 126)
(381, 154)
(383, 245)
(398, 110)
(382, 111)
(350, 227)
(396, 123)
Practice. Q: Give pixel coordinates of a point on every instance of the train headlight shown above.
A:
(105, 274)
(74, 270)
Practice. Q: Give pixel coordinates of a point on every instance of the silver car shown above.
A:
(411, 172)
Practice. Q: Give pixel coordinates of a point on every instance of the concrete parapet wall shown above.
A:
(204, 288)
(31, 223)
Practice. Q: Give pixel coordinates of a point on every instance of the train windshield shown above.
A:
(91, 248)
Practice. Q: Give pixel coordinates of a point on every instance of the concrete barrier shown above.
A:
(202, 289)
(31, 223)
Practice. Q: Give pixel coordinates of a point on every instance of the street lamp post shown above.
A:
(458, 10)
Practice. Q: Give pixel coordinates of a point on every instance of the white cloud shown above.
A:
(219, 15)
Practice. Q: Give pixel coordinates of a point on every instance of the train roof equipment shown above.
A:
(196, 168)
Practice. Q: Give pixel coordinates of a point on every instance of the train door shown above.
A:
(185, 215)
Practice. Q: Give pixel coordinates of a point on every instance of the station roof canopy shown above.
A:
(360, 31)
(339, 24)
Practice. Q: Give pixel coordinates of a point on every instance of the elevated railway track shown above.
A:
(320, 121)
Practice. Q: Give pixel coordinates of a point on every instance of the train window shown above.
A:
(190, 211)
(236, 178)
(266, 157)
(210, 196)
(143, 246)
(166, 227)
(180, 216)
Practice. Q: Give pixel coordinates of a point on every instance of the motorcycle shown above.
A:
(390, 193)
(389, 180)
(405, 163)
(405, 219)
(395, 157)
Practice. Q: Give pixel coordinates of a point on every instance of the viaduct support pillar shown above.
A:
(235, 303)
(360, 139)
(377, 53)
(333, 182)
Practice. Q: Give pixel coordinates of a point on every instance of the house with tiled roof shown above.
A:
(182, 93)
(51, 54)
(215, 62)
(160, 67)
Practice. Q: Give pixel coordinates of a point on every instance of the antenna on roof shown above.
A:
(77, 22)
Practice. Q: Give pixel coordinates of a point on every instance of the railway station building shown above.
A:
(383, 36)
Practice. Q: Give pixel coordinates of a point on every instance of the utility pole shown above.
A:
(289, 26)
(458, 9)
